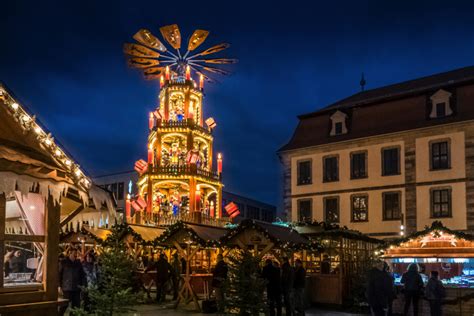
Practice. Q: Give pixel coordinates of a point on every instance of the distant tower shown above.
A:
(362, 82)
(178, 180)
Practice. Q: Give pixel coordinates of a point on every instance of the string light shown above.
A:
(15, 106)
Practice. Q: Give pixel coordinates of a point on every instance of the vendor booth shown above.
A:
(343, 255)
(36, 175)
(437, 248)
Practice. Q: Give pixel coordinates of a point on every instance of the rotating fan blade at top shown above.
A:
(198, 37)
(146, 38)
(219, 61)
(139, 51)
(213, 49)
(142, 62)
(172, 35)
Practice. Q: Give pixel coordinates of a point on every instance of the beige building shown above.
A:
(387, 161)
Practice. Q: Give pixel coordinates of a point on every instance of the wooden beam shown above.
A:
(71, 215)
(52, 248)
(3, 208)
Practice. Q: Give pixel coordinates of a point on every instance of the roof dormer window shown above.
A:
(338, 123)
(440, 104)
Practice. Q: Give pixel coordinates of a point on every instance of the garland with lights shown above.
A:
(29, 124)
(252, 224)
(435, 228)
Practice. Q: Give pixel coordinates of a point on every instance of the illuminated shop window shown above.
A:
(360, 209)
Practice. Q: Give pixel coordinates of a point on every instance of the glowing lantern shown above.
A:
(211, 123)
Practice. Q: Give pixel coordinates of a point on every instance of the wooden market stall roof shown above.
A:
(183, 232)
(251, 233)
(146, 234)
(86, 234)
(436, 241)
(317, 230)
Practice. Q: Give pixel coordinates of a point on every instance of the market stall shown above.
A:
(197, 245)
(35, 176)
(85, 238)
(342, 255)
(437, 248)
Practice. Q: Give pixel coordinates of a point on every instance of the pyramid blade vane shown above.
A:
(139, 51)
(142, 62)
(145, 37)
(172, 35)
(198, 37)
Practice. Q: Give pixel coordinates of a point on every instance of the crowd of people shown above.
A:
(381, 290)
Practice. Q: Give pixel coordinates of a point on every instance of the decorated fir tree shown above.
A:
(115, 292)
(245, 287)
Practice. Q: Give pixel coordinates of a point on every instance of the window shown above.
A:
(441, 203)
(441, 109)
(330, 169)
(23, 243)
(253, 212)
(440, 105)
(331, 210)
(338, 128)
(391, 206)
(440, 155)
(304, 172)
(121, 190)
(304, 210)
(358, 165)
(338, 123)
(390, 161)
(360, 208)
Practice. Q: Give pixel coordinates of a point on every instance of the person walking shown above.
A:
(393, 291)
(91, 272)
(163, 271)
(176, 275)
(413, 285)
(298, 288)
(379, 289)
(271, 274)
(71, 278)
(287, 276)
(219, 276)
(435, 292)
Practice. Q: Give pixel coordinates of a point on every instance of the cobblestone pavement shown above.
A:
(148, 310)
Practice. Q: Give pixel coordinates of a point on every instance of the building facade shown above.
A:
(122, 183)
(387, 161)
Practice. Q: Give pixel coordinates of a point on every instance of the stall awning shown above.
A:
(147, 233)
(436, 241)
(186, 233)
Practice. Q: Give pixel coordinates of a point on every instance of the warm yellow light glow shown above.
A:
(78, 172)
(25, 118)
(219, 156)
(38, 130)
(68, 162)
(15, 106)
(48, 141)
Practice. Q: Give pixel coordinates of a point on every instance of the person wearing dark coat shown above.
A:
(271, 274)
(379, 289)
(163, 272)
(412, 285)
(219, 276)
(71, 278)
(176, 275)
(287, 276)
(299, 283)
(435, 292)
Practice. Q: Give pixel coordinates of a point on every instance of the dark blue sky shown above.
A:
(64, 60)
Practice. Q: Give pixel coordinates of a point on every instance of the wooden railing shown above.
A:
(196, 217)
(186, 170)
(184, 123)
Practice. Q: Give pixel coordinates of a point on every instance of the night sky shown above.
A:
(64, 61)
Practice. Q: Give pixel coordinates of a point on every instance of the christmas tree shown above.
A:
(245, 285)
(114, 292)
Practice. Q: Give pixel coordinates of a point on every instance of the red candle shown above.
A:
(201, 82)
(150, 156)
(219, 163)
(128, 207)
(162, 81)
(167, 73)
(151, 121)
(188, 73)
